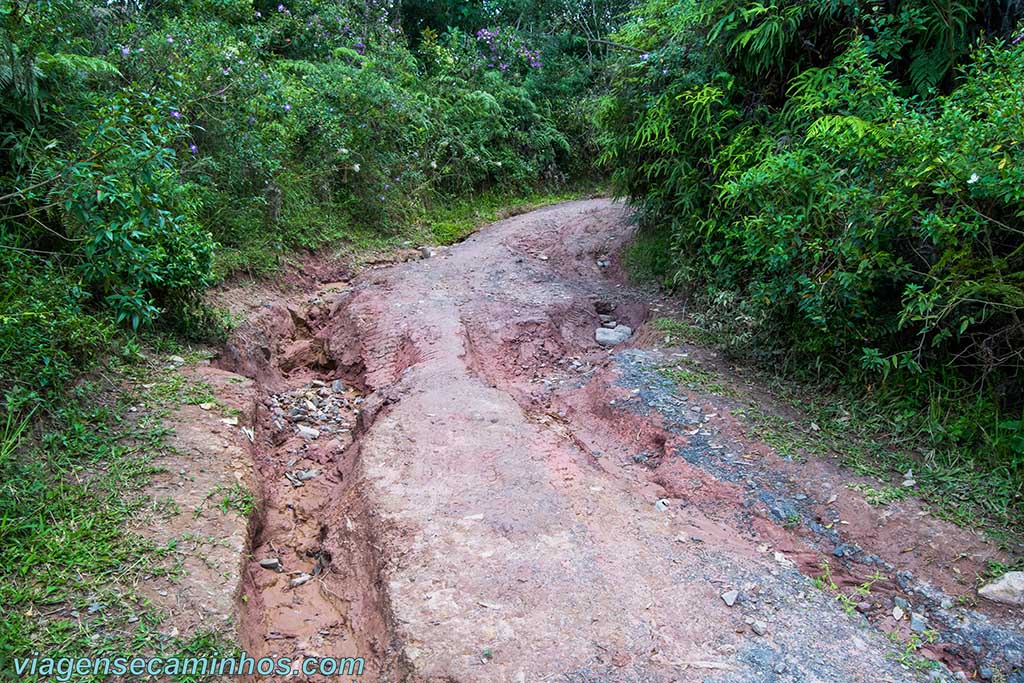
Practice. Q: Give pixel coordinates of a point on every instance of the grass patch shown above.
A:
(686, 373)
(258, 253)
(883, 495)
(454, 221)
(649, 258)
(70, 491)
(679, 331)
(227, 498)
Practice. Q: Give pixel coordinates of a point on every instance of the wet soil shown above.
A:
(457, 483)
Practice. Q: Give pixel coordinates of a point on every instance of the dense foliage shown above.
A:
(838, 181)
(150, 149)
(842, 185)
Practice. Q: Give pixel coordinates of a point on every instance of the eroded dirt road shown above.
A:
(460, 485)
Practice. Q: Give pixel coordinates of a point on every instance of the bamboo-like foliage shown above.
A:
(842, 182)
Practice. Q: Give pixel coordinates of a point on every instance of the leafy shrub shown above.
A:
(153, 149)
(842, 187)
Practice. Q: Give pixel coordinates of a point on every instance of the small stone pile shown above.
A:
(315, 410)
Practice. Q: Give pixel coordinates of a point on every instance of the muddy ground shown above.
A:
(457, 483)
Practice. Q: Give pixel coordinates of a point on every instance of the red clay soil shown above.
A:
(491, 496)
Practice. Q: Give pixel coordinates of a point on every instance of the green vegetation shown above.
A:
(71, 489)
(153, 150)
(838, 189)
(457, 220)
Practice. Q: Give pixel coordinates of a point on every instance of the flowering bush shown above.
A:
(152, 147)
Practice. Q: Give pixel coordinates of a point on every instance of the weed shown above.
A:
(698, 379)
(908, 655)
(881, 496)
(452, 222)
(235, 497)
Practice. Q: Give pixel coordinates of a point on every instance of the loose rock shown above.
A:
(299, 580)
(1008, 589)
(730, 597)
(611, 337)
(308, 433)
(918, 623)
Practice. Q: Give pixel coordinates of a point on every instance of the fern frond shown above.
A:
(82, 65)
(834, 125)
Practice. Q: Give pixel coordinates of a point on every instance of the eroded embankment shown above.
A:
(459, 484)
(312, 586)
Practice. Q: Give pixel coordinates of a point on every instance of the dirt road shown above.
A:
(460, 484)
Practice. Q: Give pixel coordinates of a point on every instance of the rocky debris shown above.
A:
(308, 433)
(783, 560)
(784, 500)
(759, 627)
(314, 411)
(426, 252)
(918, 623)
(271, 563)
(300, 477)
(1008, 589)
(611, 337)
(730, 597)
(908, 479)
(299, 580)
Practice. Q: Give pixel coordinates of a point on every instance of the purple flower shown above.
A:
(287, 107)
(258, 14)
(226, 70)
(175, 114)
(192, 148)
(252, 120)
(280, 8)
(170, 40)
(125, 50)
